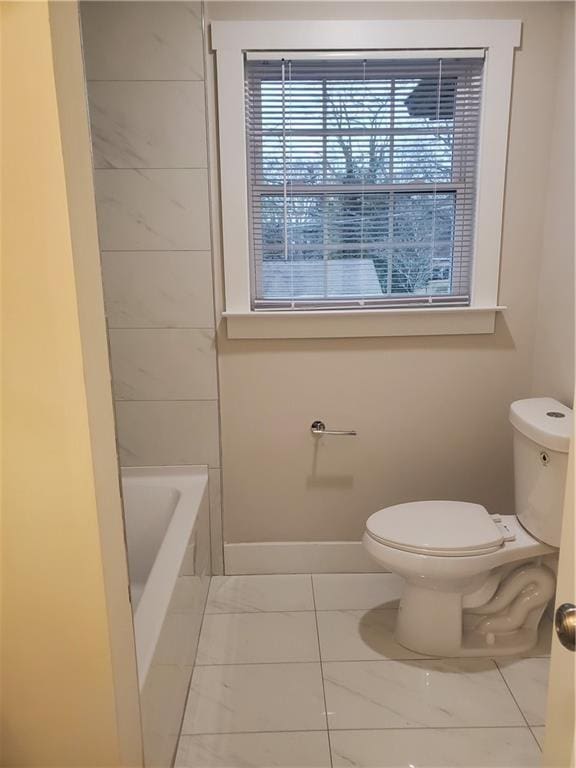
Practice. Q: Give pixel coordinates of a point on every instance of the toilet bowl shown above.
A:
(477, 584)
(454, 558)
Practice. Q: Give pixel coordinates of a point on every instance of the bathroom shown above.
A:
(252, 618)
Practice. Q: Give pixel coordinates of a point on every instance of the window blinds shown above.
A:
(362, 180)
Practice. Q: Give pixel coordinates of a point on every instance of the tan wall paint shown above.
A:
(61, 643)
(554, 349)
(431, 413)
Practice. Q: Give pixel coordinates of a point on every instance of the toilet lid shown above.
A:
(436, 528)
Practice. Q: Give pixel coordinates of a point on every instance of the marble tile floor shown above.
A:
(302, 671)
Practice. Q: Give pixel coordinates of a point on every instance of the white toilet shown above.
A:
(477, 584)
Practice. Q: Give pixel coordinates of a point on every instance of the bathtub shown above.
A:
(168, 546)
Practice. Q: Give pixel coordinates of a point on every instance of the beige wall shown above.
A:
(145, 72)
(68, 676)
(553, 372)
(431, 413)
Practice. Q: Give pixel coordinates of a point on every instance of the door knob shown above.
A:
(565, 623)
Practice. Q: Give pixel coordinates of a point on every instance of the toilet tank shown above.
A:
(542, 431)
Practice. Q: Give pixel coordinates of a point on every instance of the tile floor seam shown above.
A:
(322, 674)
(363, 730)
(194, 665)
(438, 728)
(259, 612)
(511, 694)
(302, 610)
(402, 659)
(418, 660)
(287, 730)
(264, 573)
(257, 663)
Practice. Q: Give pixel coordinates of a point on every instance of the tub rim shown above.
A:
(150, 613)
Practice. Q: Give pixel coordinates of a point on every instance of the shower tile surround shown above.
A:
(342, 692)
(145, 73)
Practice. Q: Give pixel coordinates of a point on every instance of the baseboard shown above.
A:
(298, 557)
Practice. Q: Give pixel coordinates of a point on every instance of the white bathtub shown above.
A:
(161, 511)
(166, 513)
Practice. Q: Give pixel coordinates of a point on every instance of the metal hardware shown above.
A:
(565, 622)
(318, 428)
(556, 414)
(544, 458)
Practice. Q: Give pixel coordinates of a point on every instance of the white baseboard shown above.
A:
(298, 557)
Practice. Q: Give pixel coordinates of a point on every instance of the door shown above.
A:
(560, 720)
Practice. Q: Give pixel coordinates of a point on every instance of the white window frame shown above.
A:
(231, 39)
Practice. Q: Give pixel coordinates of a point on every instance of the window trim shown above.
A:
(230, 39)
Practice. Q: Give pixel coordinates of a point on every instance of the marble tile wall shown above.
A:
(145, 77)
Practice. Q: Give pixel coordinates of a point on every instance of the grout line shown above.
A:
(216, 283)
(151, 168)
(374, 609)
(154, 250)
(244, 574)
(322, 673)
(304, 573)
(511, 694)
(440, 728)
(383, 660)
(160, 328)
(365, 730)
(249, 733)
(183, 718)
(300, 610)
(166, 400)
(534, 735)
(259, 613)
(237, 733)
(256, 663)
(143, 80)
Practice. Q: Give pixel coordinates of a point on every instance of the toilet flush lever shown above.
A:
(318, 428)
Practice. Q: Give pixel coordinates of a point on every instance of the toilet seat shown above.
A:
(441, 528)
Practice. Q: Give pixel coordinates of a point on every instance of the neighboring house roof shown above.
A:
(317, 279)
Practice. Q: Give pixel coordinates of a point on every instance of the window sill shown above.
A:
(433, 321)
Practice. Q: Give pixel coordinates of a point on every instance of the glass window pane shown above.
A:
(421, 271)
(358, 104)
(340, 277)
(424, 157)
(358, 159)
(301, 218)
(299, 159)
(423, 216)
(357, 218)
(291, 105)
(418, 104)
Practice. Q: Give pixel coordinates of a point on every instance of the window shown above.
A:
(362, 171)
(362, 180)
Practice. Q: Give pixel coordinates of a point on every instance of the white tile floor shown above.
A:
(303, 672)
